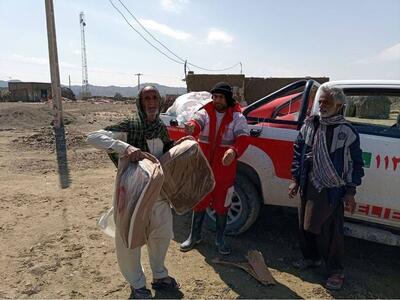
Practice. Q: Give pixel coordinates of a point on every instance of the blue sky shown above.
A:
(353, 39)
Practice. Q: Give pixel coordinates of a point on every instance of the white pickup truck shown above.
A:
(264, 169)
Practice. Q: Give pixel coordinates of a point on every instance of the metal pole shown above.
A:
(138, 79)
(58, 124)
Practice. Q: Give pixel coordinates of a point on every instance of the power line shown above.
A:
(215, 70)
(149, 33)
(183, 61)
(116, 8)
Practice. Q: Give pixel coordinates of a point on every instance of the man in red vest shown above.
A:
(221, 130)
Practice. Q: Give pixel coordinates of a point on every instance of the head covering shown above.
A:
(139, 104)
(225, 89)
(151, 130)
(139, 130)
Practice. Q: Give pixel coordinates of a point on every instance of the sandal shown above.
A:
(335, 282)
(166, 283)
(142, 293)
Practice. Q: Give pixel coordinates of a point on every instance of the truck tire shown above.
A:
(244, 209)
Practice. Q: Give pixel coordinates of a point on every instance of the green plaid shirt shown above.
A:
(139, 131)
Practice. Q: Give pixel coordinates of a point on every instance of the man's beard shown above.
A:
(220, 107)
(152, 114)
(328, 114)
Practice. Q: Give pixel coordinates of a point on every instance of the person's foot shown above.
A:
(189, 244)
(141, 293)
(223, 249)
(195, 232)
(166, 283)
(335, 282)
(303, 264)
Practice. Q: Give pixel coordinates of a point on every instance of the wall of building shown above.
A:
(205, 82)
(249, 89)
(169, 99)
(29, 91)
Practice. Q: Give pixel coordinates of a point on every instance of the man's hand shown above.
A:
(293, 189)
(134, 154)
(349, 203)
(185, 138)
(229, 157)
(189, 128)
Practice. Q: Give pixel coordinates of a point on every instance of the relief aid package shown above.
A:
(188, 177)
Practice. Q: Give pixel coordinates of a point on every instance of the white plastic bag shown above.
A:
(186, 105)
(106, 222)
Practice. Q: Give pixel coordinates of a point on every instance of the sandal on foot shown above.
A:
(335, 282)
(166, 283)
(142, 293)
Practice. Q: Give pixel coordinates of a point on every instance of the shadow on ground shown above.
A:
(372, 270)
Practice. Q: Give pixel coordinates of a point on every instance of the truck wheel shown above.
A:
(244, 209)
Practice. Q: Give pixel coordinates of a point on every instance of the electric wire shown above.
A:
(149, 33)
(182, 61)
(151, 44)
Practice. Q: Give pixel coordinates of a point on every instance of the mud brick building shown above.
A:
(29, 91)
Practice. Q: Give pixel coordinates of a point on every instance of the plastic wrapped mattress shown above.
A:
(188, 177)
(137, 187)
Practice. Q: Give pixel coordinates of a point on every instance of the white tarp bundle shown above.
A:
(186, 105)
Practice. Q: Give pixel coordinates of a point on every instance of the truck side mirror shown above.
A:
(255, 132)
(173, 122)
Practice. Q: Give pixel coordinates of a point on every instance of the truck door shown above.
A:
(375, 115)
(274, 123)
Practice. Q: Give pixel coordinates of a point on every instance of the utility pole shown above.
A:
(69, 81)
(138, 80)
(185, 71)
(58, 123)
(85, 80)
(185, 68)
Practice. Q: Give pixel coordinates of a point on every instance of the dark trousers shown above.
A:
(321, 229)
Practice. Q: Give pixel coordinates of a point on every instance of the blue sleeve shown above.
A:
(358, 164)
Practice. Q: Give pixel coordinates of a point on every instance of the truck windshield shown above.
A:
(374, 110)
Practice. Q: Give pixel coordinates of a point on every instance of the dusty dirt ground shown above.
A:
(51, 248)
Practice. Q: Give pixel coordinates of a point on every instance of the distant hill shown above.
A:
(111, 90)
(4, 84)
